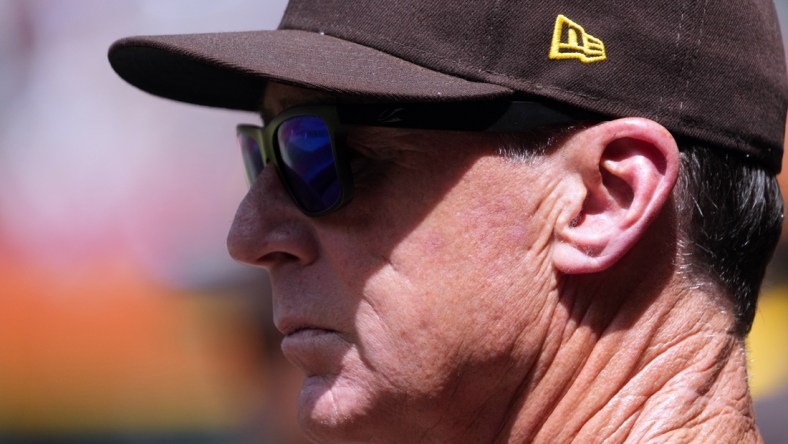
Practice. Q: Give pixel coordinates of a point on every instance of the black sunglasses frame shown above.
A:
(266, 139)
(492, 117)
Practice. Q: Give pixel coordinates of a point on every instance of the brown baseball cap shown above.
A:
(707, 70)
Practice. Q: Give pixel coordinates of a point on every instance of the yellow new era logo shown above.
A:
(570, 41)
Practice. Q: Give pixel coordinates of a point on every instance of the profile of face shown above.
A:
(419, 306)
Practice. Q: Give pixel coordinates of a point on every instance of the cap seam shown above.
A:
(491, 29)
(693, 57)
(667, 105)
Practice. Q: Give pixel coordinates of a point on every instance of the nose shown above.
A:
(268, 229)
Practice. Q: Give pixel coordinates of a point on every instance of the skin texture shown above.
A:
(463, 296)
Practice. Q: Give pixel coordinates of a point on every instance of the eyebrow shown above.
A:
(266, 113)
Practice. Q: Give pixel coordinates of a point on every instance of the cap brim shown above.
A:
(229, 70)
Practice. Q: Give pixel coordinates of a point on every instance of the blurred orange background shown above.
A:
(122, 319)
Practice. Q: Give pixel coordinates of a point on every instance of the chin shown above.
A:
(332, 412)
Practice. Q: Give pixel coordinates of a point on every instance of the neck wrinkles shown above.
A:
(679, 376)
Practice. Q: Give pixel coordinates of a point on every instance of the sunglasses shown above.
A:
(306, 144)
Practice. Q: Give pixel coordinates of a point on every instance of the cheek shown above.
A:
(442, 291)
(401, 331)
(480, 273)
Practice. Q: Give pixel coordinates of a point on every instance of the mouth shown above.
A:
(308, 330)
(295, 327)
(305, 345)
(314, 350)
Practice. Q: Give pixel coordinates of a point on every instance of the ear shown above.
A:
(620, 174)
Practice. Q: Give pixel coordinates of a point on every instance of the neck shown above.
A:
(669, 370)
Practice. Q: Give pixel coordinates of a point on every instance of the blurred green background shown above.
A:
(122, 319)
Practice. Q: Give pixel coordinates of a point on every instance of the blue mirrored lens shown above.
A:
(307, 162)
(253, 157)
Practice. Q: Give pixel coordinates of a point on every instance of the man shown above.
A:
(494, 221)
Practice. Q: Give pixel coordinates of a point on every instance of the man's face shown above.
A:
(427, 293)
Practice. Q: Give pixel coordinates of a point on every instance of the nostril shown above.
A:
(271, 249)
(277, 257)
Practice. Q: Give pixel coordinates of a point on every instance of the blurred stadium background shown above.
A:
(122, 319)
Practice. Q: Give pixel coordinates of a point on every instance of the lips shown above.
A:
(308, 331)
(292, 326)
(313, 349)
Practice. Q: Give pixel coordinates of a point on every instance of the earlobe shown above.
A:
(626, 170)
